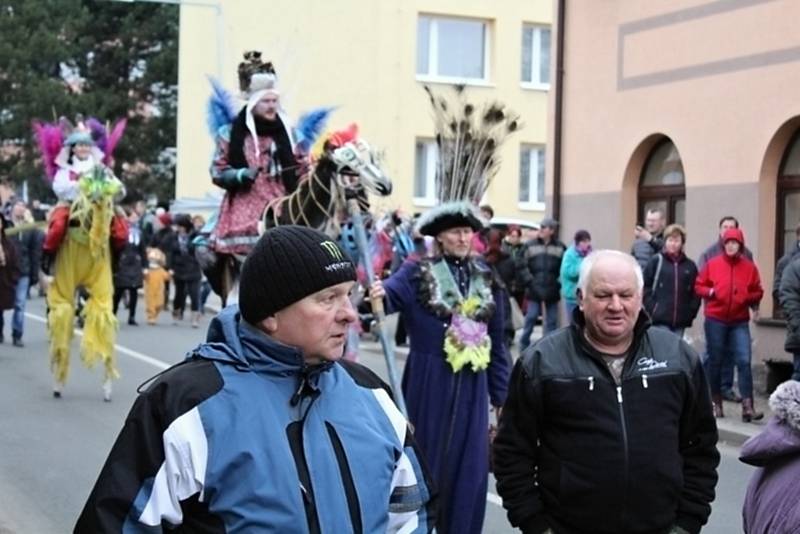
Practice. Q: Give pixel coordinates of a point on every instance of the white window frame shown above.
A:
(433, 54)
(431, 159)
(536, 57)
(533, 177)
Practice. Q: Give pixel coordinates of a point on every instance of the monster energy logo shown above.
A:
(332, 249)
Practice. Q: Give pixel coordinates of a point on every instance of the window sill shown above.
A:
(473, 82)
(535, 86)
(424, 202)
(531, 206)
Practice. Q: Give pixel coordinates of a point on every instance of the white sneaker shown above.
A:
(58, 387)
(107, 390)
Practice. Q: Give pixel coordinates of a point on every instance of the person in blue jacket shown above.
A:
(457, 363)
(571, 268)
(263, 428)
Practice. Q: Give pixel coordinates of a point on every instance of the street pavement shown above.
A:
(51, 450)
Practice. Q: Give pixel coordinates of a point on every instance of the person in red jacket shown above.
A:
(730, 286)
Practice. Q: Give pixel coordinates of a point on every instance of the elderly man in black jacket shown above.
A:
(789, 295)
(538, 272)
(608, 427)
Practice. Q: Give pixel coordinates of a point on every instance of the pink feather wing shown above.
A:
(114, 137)
(49, 139)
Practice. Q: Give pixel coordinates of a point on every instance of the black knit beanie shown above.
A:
(287, 264)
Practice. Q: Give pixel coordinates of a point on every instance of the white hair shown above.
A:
(589, 261)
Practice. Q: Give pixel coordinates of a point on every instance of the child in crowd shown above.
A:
(155, 279)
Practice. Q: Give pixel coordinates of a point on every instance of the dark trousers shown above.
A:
(728, 338)
(726, 371)
(182, 289)
(796, 373)
(550, 310)
(205, 291)
(132, 296)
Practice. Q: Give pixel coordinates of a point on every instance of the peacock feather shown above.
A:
(468, 138)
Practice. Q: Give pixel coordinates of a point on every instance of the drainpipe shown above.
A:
(559, 104)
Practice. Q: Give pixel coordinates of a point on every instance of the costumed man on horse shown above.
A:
(263, 166)
(255, 161)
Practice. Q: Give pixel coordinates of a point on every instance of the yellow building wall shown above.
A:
(360, 56)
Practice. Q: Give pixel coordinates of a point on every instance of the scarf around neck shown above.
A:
(275, 130)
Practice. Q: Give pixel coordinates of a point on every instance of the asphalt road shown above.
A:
(52, 450)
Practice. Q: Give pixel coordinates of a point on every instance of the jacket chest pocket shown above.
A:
(568, 398)
(654, 399)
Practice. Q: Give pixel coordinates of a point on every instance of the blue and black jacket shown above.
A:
(244, 437)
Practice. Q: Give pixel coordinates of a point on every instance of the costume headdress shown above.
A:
(468, 139)
(55, 140)
(257, 79)
(255, 75)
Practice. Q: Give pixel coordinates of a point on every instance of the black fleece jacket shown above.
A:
(577, 453)
(671, 300)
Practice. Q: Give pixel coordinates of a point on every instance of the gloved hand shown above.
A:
(46, 263)
(247, 176)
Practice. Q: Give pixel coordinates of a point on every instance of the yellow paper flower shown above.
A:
(459, 355)
(470, 305)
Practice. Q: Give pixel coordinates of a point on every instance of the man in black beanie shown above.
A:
(263, 428)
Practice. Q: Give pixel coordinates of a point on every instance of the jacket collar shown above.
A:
(579, 326)
(233, 340)
(263, 351)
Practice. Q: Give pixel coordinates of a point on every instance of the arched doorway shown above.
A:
(788, 197)
(788, 207)
(662, 184)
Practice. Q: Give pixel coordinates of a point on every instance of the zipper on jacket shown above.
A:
(644, 381)
(295, 434)
(730, 295)
(625, 449)
(591, 383)
(347, 480)
(675, 300)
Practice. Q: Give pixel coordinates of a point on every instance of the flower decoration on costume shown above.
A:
(94, 207)
(466, 341)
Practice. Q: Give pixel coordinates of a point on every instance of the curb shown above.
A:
(731, 436)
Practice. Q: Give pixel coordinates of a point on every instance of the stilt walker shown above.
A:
(78, 243)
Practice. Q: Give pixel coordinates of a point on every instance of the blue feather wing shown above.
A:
(310, 126)
(221, 110)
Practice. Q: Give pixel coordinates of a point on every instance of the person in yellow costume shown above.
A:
(83, 259)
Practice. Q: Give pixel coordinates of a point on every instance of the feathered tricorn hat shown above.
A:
(56, 139)
(468, 139)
